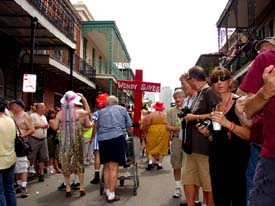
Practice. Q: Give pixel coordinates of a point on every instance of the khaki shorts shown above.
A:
(40, 150)
(21, 165)
(196, 171)
(176, 157)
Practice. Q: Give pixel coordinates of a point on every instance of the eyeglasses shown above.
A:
(216, 79)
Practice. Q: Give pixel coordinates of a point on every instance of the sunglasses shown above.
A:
(216, 79)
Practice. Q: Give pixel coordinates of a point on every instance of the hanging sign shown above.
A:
(29, 83)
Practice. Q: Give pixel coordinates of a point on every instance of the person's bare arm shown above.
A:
(54, 123)
(255, 103)
(29, 124)
(85, 103)
(241, 131)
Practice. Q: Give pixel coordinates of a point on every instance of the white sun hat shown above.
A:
(71, 97)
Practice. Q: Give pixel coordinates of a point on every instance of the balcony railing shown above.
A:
(242, 56)
(58, 14)
(118, 74)
(103, 69)
(84, 68)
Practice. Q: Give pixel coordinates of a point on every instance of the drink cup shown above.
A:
(216, 126)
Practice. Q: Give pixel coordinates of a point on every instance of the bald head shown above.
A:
(112, 100)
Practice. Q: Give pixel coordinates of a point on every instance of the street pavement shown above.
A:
(156, 188)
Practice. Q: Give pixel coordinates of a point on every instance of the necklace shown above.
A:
(226, 104)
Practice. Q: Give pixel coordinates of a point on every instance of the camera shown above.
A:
(206, 123)
(184, 111)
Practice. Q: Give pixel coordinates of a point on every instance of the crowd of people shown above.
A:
(220, 140)
(231, 164)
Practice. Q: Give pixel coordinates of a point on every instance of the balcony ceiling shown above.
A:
(16, 23)
(103, 33)
(228, 19)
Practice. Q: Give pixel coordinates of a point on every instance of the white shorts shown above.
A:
(21, 165)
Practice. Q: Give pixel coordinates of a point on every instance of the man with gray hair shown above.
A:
(174, 126)
(112, 122)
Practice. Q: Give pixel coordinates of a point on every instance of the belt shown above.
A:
(175, 136)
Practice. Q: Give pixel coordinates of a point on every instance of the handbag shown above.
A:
(22, 145)
(187, 139)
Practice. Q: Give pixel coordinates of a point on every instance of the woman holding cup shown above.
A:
(229, 150)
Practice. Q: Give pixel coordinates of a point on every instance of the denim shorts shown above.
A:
(21, 165)
(263, 188)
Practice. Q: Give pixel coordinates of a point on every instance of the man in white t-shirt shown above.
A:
(38, 140)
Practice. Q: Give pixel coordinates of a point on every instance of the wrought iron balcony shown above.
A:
(84, 68)
(117, 73)
(242, 57)
(59, 13)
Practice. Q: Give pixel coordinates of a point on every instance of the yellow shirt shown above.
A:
(7, 137)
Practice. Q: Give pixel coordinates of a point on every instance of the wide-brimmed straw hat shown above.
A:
(71, 97)
(159, 106)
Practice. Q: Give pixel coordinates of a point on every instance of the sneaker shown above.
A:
(75, 186)
(177, 193)
(24, 192)
(95, 181)
(41, 178)
(32, 170)
(62, 187)
(50, 170)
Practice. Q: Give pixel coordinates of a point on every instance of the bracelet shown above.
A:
(231, 125)
(234, 127)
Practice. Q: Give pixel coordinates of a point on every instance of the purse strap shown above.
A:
(17, 128)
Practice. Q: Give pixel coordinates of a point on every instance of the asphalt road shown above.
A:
(156, 188)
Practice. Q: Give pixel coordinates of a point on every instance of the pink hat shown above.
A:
(159, 106)
(71, 97)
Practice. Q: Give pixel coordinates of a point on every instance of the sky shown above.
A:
(164, 38)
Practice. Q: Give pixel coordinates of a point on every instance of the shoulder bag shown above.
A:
(22, 145)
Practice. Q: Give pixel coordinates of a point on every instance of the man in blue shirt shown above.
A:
(112, 123)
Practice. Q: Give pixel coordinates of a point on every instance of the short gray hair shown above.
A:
(178, 92)
(112, 100)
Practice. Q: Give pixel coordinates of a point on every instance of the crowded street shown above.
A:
(155, 189)
(137, 103)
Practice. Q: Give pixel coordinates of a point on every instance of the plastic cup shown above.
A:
(216, 126)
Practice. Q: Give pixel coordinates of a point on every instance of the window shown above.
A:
(261, 32)
(57, 54)
(271, 28)
(57, 98)
(84, 49)
(93, 57)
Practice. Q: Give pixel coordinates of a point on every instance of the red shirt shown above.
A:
(252, 83)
